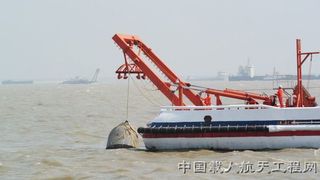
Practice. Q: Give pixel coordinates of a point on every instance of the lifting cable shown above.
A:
(128, 93)
(149, 92)
(144, 95)
(146, 83)
(309, 75)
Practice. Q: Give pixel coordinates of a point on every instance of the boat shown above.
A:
(262, 122)
(78, 80)
(233, 127)
(286, 77)
(8, 82)
(247, 73)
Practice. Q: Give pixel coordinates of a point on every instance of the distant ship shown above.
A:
(8, 82)
(247, 73)
(78, 80)
(271, 78)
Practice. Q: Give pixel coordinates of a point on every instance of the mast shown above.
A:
(300, 90)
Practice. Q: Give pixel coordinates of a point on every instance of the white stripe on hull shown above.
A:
(237, 113)
(233, 143)
(279, 128)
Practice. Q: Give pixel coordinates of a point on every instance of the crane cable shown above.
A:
(128, 93)
(144, 95)
(309, 75)
(149, 91)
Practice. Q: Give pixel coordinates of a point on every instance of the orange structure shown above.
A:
(140, 67)
(303, 98)
(135, 63)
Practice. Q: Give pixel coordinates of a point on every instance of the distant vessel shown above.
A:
(8, 82)
(247, 73)
(78, 80)
(272, 78)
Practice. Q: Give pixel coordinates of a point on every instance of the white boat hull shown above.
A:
(186, 128)
(233, 143)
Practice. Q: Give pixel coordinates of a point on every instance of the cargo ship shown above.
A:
(8, 82)
(247, 73)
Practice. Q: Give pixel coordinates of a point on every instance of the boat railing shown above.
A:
(222, 107)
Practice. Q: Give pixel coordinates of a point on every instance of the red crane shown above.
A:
(133, 48)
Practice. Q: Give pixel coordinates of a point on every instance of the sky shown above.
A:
(60, 39)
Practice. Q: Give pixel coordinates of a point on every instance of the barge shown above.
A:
(290, 119)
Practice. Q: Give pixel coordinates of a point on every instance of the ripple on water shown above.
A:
(119, 171)
(51, 162)
(67, 177)
(2, 167)
(158, 170)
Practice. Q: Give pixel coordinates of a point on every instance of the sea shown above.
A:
(59, 131)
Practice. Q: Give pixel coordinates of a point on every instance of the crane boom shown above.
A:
(132, 46)
(126, 43)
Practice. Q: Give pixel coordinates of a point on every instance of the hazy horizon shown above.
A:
(44, 40)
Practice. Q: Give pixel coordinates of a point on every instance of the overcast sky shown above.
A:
(59, 39)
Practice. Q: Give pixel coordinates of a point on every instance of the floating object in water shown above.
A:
(123, 136)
